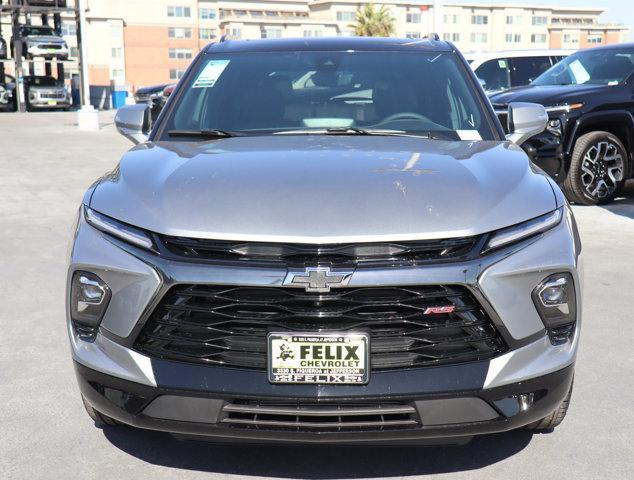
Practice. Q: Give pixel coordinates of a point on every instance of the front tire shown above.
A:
(553, 420)
(98, 417)
(597, 169)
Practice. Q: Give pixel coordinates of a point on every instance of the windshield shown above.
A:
(43, 82)
(600, 67)
(300, 92)
(38, 31)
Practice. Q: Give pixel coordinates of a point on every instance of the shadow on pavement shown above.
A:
(624, 205)
(315, 461)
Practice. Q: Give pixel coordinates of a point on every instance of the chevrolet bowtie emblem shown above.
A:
(317, 279)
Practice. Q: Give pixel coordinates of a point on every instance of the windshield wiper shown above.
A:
(202, 133)
(347, 131)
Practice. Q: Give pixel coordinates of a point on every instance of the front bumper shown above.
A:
(49, 103)
(503, 283)
(445, 412)
(48, 50)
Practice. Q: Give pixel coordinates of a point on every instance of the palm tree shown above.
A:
(373, 23)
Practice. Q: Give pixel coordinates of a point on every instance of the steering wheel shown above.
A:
(404, 116)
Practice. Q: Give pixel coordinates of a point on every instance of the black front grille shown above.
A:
(224, 325)
(316, 417)
(392, 253)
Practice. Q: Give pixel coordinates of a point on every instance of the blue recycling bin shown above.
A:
(118, 98)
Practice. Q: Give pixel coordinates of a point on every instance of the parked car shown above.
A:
(159, 101)
(3, 48)
(7, 94)
(502, 70)
(40, 41)
(589, 142)
(45, 92)
(320, 264)
(148, 94)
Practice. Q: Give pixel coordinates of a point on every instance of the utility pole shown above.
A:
(87, 116)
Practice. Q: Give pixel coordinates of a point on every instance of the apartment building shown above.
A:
(145, 42)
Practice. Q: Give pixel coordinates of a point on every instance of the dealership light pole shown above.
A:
(87, 116)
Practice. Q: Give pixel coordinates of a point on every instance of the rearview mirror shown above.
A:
(525, 120)
(134, 122)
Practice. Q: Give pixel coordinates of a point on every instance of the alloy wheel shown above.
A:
(602, 169)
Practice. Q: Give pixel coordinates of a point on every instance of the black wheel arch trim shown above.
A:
(596, 118)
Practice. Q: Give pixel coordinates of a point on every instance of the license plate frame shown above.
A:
(347, 365)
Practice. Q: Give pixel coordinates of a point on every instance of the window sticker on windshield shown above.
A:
(579, 72)
(469, 135)
(209, 75)
(502, 63)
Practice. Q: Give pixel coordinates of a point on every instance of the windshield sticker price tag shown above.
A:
(209, 75)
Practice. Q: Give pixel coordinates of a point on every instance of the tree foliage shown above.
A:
(372, 22)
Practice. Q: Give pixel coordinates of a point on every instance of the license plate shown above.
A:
(308, 357)
(52, 102)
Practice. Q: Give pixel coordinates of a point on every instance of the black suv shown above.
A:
(588, 143)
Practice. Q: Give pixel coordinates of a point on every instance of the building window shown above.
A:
(180, 53)
(74, 52)
(513, 38)
(595, 38)
(412, 34)
(453, 37)
(183, 12)
(479, 38)
(116, 52)
(451, 19)
(538, 38)
(118, 75)
(479, 19)
(346, 16)
(313, 33)
(513, 19)
(269, 32)
(235, 33)
(176, 73)
(571, 38)
(69, 28)
(207, 13)
(207, 33)
(412, 18)
(116, 30)
(540, 19)
(179, 32)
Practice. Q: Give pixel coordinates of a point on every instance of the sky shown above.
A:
(617, 11)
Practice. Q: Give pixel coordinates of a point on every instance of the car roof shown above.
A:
(517, 53)
(330, 44)
(613, 46)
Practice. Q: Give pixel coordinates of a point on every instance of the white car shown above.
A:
(505, 69)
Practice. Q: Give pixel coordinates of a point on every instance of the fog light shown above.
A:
(556, 304)
(89, 299)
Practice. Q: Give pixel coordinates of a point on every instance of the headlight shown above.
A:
(117, 229)
(89, 298)
(564, 108)
(554, 127)
(556, 304)
(522, 231)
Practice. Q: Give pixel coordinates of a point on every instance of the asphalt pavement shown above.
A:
(45, 166)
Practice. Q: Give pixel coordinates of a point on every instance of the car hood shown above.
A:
(324, 189)
(547, 94)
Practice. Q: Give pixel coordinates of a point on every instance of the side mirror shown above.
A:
(134, 122)
(482, 83)
(525, 120)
